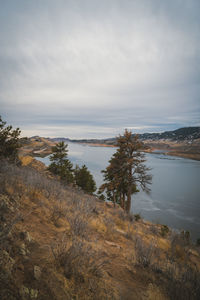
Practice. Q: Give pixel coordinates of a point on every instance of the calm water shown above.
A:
(175, 191)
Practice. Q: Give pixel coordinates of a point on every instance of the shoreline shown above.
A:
(153, 150)
(43, 149)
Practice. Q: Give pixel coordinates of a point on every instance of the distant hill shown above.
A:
(185, 133)
(181, 134)
(59, 139)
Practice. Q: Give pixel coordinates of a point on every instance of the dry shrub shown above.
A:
(146, 254)
(110, 227)
(130, 217)
(179, 246)
(58, 210)
(122, 215)
(80, 213)
(59, 248)
(33, 179)
(85, 267)
(183, 282)
(84, 204)
(78, 224)
(9, 216)
(154, 229)
(129, 233)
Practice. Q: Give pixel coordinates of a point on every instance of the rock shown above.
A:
(22, 249)
(33, 293)
(37, 272)
(27, 293)
(24, 292)
(25, 235)
(120, 231)
(6, 262)
(20, 267)
(6, 204)
(113, 244)
(193, 252)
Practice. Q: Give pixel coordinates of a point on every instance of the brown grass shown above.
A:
(84, 248)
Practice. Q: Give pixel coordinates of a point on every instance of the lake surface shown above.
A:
(175, 191)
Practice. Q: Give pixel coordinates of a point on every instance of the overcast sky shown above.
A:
(90, 68)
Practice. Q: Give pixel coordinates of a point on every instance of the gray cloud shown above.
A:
(74, 68)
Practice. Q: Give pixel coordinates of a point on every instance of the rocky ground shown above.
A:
(58, 243)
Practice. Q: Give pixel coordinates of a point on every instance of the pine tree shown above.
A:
(9, 142)
(60, 163)
(84, 179)
(126, 170)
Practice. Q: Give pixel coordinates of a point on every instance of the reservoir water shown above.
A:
(175, 191)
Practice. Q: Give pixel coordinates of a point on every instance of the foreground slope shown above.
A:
(58, 243)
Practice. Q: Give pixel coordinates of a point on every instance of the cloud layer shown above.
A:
(92, 68)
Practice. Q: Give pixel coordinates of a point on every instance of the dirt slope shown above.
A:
(59, 243)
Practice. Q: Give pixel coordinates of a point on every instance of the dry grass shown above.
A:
(88, 249)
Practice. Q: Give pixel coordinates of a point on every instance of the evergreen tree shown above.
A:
(9, 142)
(126, 170)
(60, 163)
(84, 179)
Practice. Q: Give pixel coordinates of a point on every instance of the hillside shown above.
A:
(58, 243)
(36, 146)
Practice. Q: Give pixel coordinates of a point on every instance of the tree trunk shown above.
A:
(114, 199)
(129, 191)
(123, 201)
(128, 202)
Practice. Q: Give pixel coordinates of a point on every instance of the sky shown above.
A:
(90, 68)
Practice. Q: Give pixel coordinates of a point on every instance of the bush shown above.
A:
(164, 230)
(129, 232)
(185, 236)
(78, 224)
(145, 253)
(137, 217)
(85, 266)
(102, 197)
(182, 283)
(198, 242)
